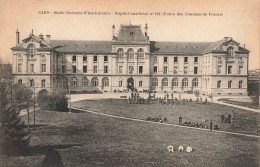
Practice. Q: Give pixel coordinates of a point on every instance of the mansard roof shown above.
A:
(130, 33)
(178, 47)
(81, 46)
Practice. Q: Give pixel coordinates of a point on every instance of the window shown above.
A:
(185, 70)
(195, 70)
(240, 83)
(219, 69)
(105, 69)
(74, 69)
(140, 69)
(85, 69)
(105, 58)
(140, 83)
(95, 70)
(120, 70)
(185, 59)
(43, 83)
(140, 55)
(230, 51)
(31, 83)
(130, 55)
(175, 70)
(94, 81)
(105, 82)
(20, 67)
(43, 67)
(165, 59)
(229, 69)
(154, 82)
(164, 82)
(20, 82)
(31, 50)
(229, 84)
(85, 58)
(175, 59)
(63, 68)
(155, 69)
(32, 67)
(219, 58)
(175, 82)
(240, 69)
(155, 59)
(64, 81)
(195, 82)
(219, 84)
(120, 53)
(84, 81)
(196, 59)
(185, 82)
(120, 83)
(165, 70)
(74, 81)
(74, 58)
(131, 69)
(95, 59)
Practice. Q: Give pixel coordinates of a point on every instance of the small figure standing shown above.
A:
(180, 148)
(226, 118)
(179, 96)
(233, 119)
(222, 118)
(229, 118)
(180, 120)
(211, 125)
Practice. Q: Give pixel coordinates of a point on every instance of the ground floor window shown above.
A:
(20, 82)
(140, 83)
(240, 84)
(94, 81)
(43, 83)
(218, 84)
(120, 83)
(31, 83)
(154, 82)
(84, 81)
(64, 81)
(105, 81)
(229, 84)
(195, 82)
(74, 81)
(164, 82)
(175, 82)
(185, 82)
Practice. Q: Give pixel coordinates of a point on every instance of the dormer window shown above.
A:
(31, 50)
(230, 51)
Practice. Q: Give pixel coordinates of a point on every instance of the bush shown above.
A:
(57, 101)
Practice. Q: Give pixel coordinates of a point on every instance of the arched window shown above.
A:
(64, 81)
(94, 81)
(31, 50)
(185, 82)
(154, 82)
(74, 81)
(140, 55)
(105, 82)
(130, 54)
(230, 51)
(120, 53)
(84, 81)
(195, 82)
(164, 82)
(175, 82)
(31, 83)
(20, 82)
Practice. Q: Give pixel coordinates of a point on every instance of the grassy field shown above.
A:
(85, 139)
(246, 121)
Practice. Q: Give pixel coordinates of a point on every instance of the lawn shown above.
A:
(86, 139)
(246, 121)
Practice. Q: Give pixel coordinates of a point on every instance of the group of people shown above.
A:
(228, 118)
(180, 148)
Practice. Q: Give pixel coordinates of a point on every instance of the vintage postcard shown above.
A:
(129, 83)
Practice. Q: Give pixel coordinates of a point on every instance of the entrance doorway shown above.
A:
(130, 84)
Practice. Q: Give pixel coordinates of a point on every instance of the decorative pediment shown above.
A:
(231, 42)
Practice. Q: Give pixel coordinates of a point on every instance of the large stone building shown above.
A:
(131, 59)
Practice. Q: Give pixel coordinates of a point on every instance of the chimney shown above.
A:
(48, 39)
(226, 38)
(17, 37)
(146, 30)
(41, 37)
(244, 45)
(113, 32)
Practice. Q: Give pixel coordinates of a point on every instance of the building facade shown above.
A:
(130, 59)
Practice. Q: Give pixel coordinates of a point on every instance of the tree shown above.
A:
(14, 138)
(23, 99)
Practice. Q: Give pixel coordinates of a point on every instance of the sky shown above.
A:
(238, 19)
